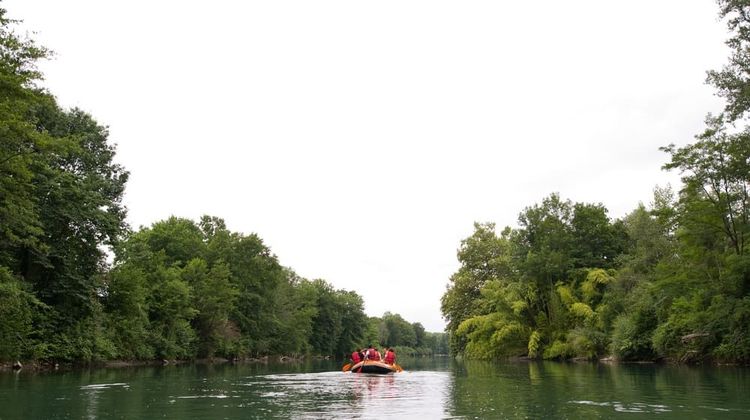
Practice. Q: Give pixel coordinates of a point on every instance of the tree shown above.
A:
(716, 172)
(397, 331)
(537, 290)
(177, 289)
(257, 275)
(171, 313)
(22, 141)
(179, 239)
(437, 342)
(127, 304)
(353, 321)
(17, 310)
(419, 334)
(733, 81)
(60, 200)
(213, 299)
(339, 322)
(296, 308)
(483, 257)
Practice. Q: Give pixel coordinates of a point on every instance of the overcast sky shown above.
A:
(361, 140)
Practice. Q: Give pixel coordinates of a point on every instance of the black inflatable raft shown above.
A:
(369, 366)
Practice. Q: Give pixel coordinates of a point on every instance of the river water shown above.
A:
(428, 388)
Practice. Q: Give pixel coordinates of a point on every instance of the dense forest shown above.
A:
(178, 289)
(669, 281)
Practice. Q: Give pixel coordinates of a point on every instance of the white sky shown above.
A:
(361, 140)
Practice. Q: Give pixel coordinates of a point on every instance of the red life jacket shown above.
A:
(373, 354)
(355, 357)
(390, 357)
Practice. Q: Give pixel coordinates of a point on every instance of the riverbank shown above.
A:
(42, 366)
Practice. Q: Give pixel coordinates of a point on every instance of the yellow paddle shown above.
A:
(346, 367)
(398, 368)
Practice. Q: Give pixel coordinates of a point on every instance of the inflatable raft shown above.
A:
(370, 366)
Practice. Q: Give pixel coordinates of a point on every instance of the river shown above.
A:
(429, 388)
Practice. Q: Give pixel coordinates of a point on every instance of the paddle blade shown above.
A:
(346, 367)
(398, 368)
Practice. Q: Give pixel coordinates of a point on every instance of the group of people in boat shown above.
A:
(372, 353)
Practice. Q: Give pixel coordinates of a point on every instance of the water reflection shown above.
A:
(91, 396)
(572, 390)
(353, 395)
(430, 388)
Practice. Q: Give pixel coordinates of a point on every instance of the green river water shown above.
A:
(429, 388)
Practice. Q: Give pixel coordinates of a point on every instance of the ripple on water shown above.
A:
(104, 386)
(348, 395)
(621, 407)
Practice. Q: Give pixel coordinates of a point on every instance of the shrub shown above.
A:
(558, 350)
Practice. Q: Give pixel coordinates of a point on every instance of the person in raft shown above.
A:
(357, 356)
(372, 354)
(390, 356)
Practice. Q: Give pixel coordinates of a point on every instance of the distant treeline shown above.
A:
(176, 289)
(407, 339)
(668, 281)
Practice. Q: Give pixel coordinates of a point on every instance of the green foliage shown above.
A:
(339, 322)
(199, 290)
(22, 144)
(558, 350)
(735, 343)
(435, 343)
(596, 280)
(484, 257)
(213, 299)
(170, 314)
(60, 208)
(631, 334)
(419, 334)
(733, 80)
(566, 295)
(581, 310)
(372, 332)
(671, 282)
(353, 318)
(126, 304)
(556, 270)
(297, 303)
(397, 331)
(17, 311)
(494, 335)
(391, 330)
(534, 344)
(714, 200)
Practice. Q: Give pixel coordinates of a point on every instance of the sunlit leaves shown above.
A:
(493, 335)
(581, 310)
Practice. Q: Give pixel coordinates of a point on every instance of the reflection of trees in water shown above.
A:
(408, 394)
(544, 389)
(367, 386)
